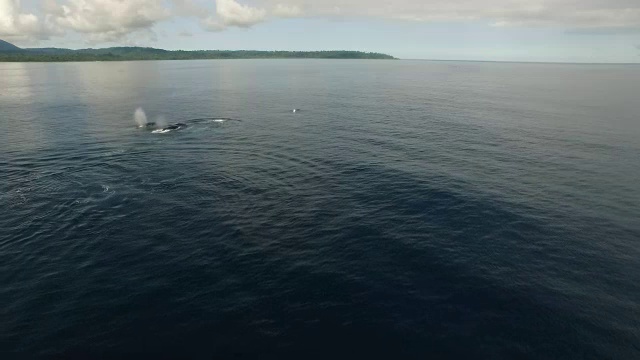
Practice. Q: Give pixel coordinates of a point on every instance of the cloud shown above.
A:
(502, 13)
(111, 20)
(233, 13)
(185, 33)
(117, 20)
(17, 25)
(604, 16)
(212, 24)
(230, 13)
(287, 11)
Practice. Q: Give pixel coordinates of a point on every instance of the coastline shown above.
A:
(143, 54)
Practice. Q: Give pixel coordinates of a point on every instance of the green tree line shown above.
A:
(136, 53)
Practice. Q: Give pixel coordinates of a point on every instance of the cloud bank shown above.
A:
(116, 20)
(559, 13)
(17, 24)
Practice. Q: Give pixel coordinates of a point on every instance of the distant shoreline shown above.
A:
(141, 54)
(5, 60)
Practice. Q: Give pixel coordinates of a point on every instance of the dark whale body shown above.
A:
(158, 129)
(172, 127)
(176, 126)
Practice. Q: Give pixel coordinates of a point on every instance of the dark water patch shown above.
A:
(421, 212)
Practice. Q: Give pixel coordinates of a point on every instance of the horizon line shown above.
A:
(527, 62)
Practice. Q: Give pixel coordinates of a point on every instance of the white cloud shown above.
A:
(571, 14)
(51, 7)
(230, 13)
(111, 20)
(17, 25)
(233, 13)
(211, 23)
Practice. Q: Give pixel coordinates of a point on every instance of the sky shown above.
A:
(591, 31)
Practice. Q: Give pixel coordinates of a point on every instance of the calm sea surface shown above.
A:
(410, 209)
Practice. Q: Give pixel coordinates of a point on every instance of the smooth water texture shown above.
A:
(409, 209)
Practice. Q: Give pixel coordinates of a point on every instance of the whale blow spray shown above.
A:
(161, 122)
(140, 117)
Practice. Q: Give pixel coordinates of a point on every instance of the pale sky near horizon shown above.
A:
(501, 30)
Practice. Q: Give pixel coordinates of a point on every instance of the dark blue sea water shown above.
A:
(410, 210)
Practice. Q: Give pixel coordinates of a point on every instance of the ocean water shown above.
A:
(410, 209)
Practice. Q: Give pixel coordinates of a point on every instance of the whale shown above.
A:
(157, 128)
(176, 126)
